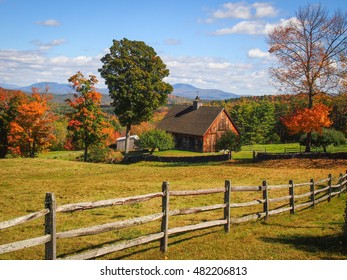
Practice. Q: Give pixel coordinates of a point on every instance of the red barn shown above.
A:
(196, 127)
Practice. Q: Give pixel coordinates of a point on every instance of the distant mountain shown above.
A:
(189, 91)
(185, 91)
(8, 86)
(54, 88)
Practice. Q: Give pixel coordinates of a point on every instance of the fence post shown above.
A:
(165, 219)
(266, 202)
(329, 191)
(292, 199)
(312, 187)
(227, 205)
(340, 183)
(50, 227)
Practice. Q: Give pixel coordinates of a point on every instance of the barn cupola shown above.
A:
(197, 103)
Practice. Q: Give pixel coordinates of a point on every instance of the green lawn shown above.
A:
(62, 155)
(247, 151)
(309, 234)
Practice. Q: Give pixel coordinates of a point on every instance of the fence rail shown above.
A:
(293, 201)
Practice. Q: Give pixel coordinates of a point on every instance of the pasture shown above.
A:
(309, 234)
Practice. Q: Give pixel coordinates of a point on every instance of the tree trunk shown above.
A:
(127, 142)
(3, 146)
(309, 134)
(32, 150)
(308, 142)
(85, 155)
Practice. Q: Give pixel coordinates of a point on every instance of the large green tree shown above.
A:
(134, 75)
(255, 120)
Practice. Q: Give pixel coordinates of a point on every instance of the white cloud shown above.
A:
(255, 27)
(172, 42)
(233, 10)
(27, 67)
(243, 10)
(257, 53)
(49, 22)
(218, 73)
(47, 46)
(243, 27)
(264, 10)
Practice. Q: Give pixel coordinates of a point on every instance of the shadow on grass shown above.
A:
(150, 246)
(155, 245)
(325, 244)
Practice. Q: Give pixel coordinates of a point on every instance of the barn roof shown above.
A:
(184, 119)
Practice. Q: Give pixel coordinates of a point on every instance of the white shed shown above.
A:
(121, 143)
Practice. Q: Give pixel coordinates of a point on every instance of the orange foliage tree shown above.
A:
(87, 121)
(31, 130)
(9, 102)
(308, 120)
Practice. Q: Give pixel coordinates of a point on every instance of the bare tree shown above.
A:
(310, 50)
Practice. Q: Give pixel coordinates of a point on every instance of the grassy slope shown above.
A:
(307, 235)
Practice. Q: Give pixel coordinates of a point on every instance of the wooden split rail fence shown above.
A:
(318, 191)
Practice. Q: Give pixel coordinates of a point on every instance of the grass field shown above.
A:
(309, 234)
(247, 151)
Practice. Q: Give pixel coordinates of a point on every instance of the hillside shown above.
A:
(185, 91)
(189, 91)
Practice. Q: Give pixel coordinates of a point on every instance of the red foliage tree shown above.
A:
(9, 102)
(31, 130)
(308, 120)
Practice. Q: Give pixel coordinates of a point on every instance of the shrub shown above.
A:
(100, 153)
(155, 139)
(229, 141)
(326, 138)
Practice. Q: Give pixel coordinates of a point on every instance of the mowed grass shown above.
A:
(247, 151)
(309, 234)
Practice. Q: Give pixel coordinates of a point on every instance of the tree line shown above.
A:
(262, 119)
(31, 123)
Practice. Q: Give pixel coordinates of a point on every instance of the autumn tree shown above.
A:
(87, 121)
(134, 75)
(9, 102)
(32, 129)
(309, 49)
(308, 120)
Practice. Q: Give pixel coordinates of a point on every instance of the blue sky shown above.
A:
(207, 43)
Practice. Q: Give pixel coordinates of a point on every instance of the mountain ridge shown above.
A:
(180, 90)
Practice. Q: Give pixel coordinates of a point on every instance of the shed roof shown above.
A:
(185, 120)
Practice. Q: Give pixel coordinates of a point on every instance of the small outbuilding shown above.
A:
(196, 127)
(121, 143)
